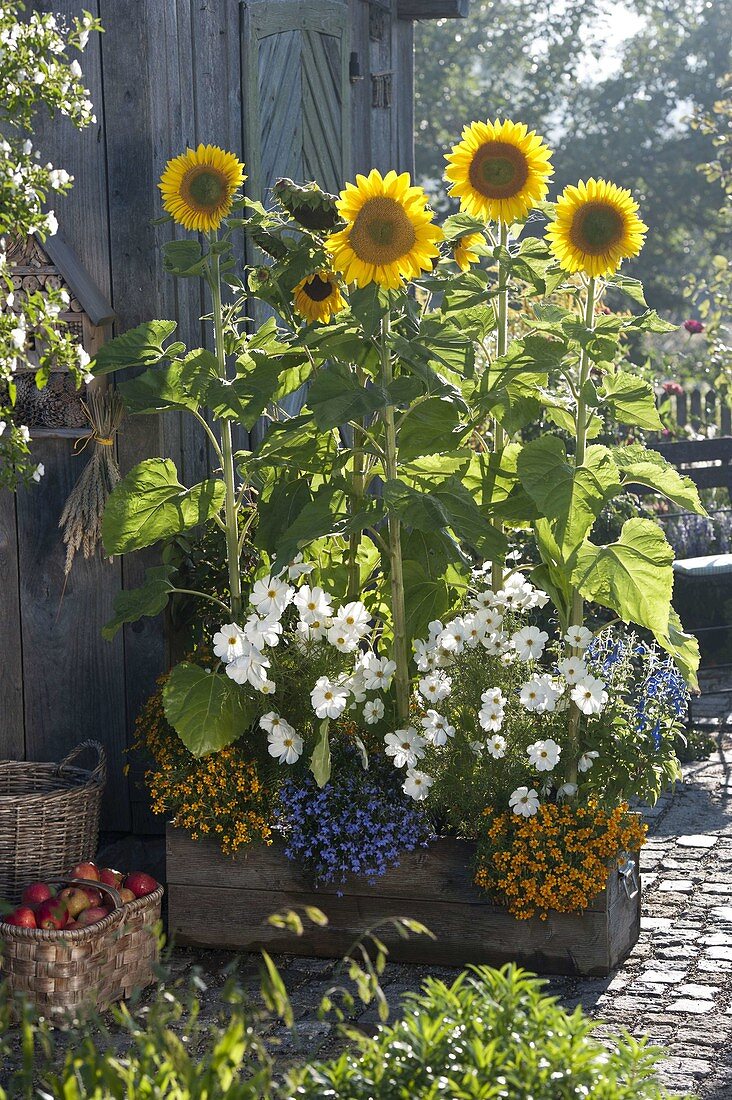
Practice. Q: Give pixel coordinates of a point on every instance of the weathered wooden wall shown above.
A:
(272, 81)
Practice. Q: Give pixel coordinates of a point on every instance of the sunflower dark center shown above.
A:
(596, 227)
(382, 231)
(498, 170)
(204, 187)
(317, 289)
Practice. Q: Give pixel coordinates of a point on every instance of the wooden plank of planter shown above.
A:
(215, 901)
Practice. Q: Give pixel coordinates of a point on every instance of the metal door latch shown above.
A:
(629, 875)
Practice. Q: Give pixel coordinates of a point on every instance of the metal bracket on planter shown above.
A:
(629, 876)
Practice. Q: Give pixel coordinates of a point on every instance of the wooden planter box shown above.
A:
(219, 902)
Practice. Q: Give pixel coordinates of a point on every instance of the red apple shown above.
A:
(22, 917)
(126, 895)
(85, 870)
(36, 893)
(94, 896)
(76, 899)
(52, 914)
(110, 877)
(92, 915)
(140, 884)
(72, 925)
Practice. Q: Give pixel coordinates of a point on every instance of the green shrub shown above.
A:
(491, 1034)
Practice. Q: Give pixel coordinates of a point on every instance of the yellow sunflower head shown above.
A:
(389, 235)
(463, 250)
(499, 170)
(596, 228)
(198, 186)
(317, 297)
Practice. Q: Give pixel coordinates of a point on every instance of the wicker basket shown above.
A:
(60, 972)
(49, 818)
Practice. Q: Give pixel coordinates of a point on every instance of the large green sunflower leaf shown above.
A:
(207, 710)
(150, 504)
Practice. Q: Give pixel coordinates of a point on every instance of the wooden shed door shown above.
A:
(296, 92)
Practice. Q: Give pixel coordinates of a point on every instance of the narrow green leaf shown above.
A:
(320, 763)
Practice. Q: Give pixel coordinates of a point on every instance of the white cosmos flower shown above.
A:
(315, 631)
(285, 744)
(524, 801)
(485, 600)
(572, 669)
(270, 595)
(493, 697)
(495, 644)
(406, 746)
(313, 604)
(353, 617)
(553, 690)
(424, 655)
(490, 619)
(417, 784)
(452, 638)
(229, 642)
(589, 694)
(586, 760)
(496, 746)
(529, 642)
(378, 673)
(267, 687)
(544, 755)
(3, 426)
(373, 711)
(579, 637)
(299, 568)
(39, 472)
(51, 221)
(567, 790)
(434, 688)
(262, 632)
(507, 658)
(532, 695)
(475, 629)
(328, 699)
(490, 718)
(18, 338)
(436, 728)
(250, 667)
(345, 641)
(272, 721)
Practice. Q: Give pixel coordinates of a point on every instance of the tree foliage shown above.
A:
(620, 111)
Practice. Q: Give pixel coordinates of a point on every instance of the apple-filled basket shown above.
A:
(49, 817)
(63, 970)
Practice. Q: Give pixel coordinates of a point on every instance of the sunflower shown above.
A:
(499, 170)
(389, 234)
(318, 296)
(463, 250)
(198, 186)
(596, 227)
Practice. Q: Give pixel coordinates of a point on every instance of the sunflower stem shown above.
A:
(231, 510)
(357, 496)
(398, 612)
(576, 611)
(500, 438)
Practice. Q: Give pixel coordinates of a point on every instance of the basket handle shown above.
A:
(101, 886)
(100, 770)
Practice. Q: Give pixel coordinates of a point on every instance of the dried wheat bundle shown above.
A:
(81, 519)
